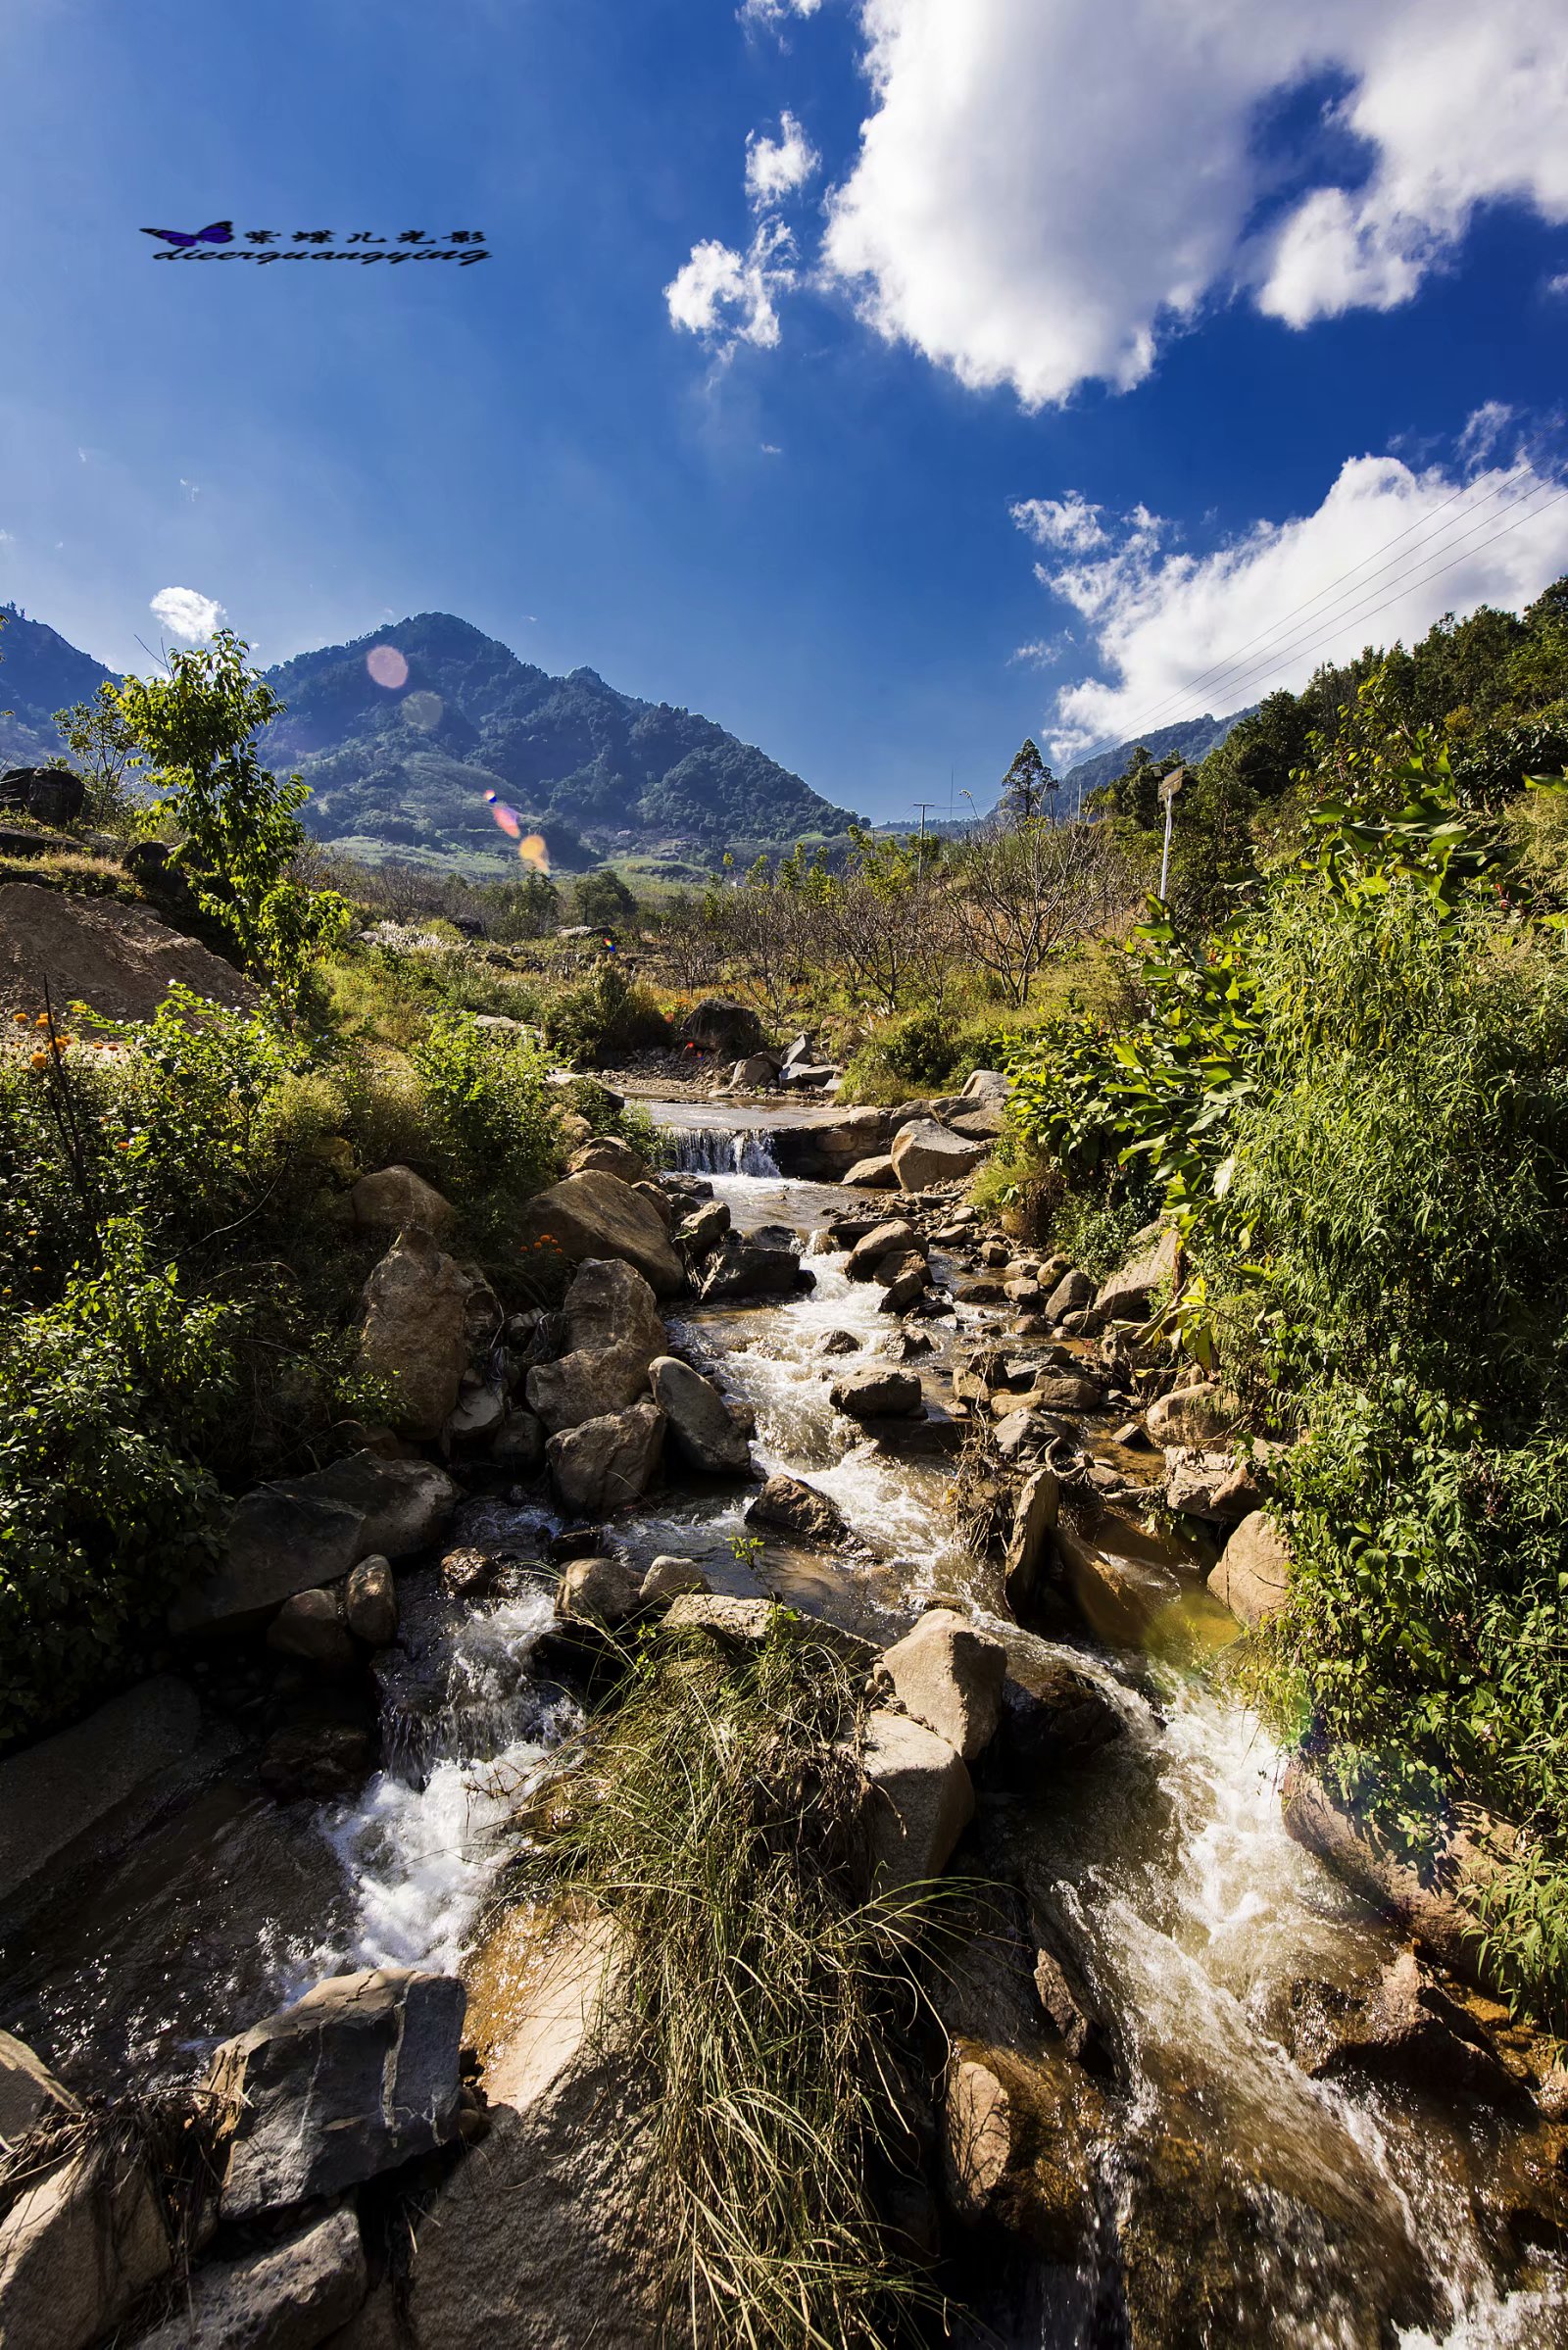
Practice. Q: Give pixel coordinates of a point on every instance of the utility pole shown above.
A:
(1167, 791)
(921, 807)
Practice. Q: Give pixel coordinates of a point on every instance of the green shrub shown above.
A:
(491, 1107)
(605, 1015)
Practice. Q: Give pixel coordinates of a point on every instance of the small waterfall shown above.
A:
(710, 1151)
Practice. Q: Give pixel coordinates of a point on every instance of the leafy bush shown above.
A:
(605, 1015)
(490, 1104)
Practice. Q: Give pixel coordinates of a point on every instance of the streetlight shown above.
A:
(1168, 790)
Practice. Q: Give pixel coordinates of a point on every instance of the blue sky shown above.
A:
(1063, 369)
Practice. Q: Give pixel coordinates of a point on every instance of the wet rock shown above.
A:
(1034, 1521)
(1024, 1433)
(610, 1304)
(743, 1620)
(1072, 1293)
(78, 2248)
(28, 2091)
(1190, 1415)
(1252, 1578)
(1406, 2030)
(518, 1444)
(877, 1174)
(978, 2135)
(925, 1153)
(873, 1394)
(370, 1603)
(746, 1265)
(671, 1579)
(896, 1238)
(607, 1592)
(606, 1155)
(395, 1196)
(920, 1800)
(1118, 1591)
(311, 1626)
(1133, 1435)
(1067, 2006)
(289, 2296)
(700, 1426)
(1130, 1294)
(908, 1345)
(316, 1761)
(606, 1463)
(948, 1675)
(588, 1384)
(69, 1799)
(471, 1573)
(356, 2077)
(700, 1233)
(1218, 1486)
(596, 1215)
(793, 1507)
(903, 1281)
(838, 1342)
(415, 1334)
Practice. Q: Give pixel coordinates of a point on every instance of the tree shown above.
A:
(603, 900)
(240, 830)
(1027, 890)
(1028, 786)
(100, 741)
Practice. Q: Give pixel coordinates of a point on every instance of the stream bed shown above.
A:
(1192, 1910)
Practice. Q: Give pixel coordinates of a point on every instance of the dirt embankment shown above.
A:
(119, 959)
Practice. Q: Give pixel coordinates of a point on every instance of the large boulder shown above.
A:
(701, 1230)
(356, 2077)
(416, 1331)
(892, 1239)
(596, 1215)
(877, 1174)
(1191, 1415)
(604, 1591)
(588, 1384)
(876, 1394)
(311, 1627)
(925, 1153)
(70, 1799)
(78, 2248)
(720, 1025)
(985, 1085)
(948, 1675)
(28, 2090)
(395, 1196)
(986, 1123)
(1070, 1295)
(1210, 1484)
(1252, 1578)
(605, 1463)
(1051, 1713)
(605, 1156)
(670, 1579)
(288, 2296)
(1405, 2031)
(1129, 1296)
(741, 1622)
(903, 1281)
(791, 1506)
(304, 1532)
(750, 1265)
(919, 1800)
(704, 1433)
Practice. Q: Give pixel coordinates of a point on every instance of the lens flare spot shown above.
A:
(387, 666)
(421, 710)
(532, 850)
(507, 817)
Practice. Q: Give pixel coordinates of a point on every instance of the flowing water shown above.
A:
(1164, 1856)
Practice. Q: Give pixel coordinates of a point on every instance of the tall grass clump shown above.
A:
(717, 1827)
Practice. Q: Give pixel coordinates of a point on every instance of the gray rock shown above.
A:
(671, 1579)
(610, 1304)
(903, 1281)
(1072, 1293)
(876, 1174)
(302, 1533)
(314, 1762)
(1067, 1391)
(1191, 1415)
(724, 1619)
(720, 1025)
(395, 1196)
(948, 1675)
(701, 1427)
(700, 1233)
(745, 1265)
(925, 1153)
(1214, 1485)
(986, 1085)
(28, 2092)
(757, 1070)
(370, 1603)
(311, 1626)
(596, 1215)
(1034, 1521)
(416, 1331)
(606, 1155)
(919, 1800)
(877, 1394)
(1252, 1578)
(518, 1446)
(607, 1592)
(356, 2077)
(985, 1122)
(1129, 1296)
(71, 1800)
(588, 1383)
(77, 2250)
(896, 1238)
(290, 2296)
(796, 1509)
(607, 1462)
(838, 1342)
(477, 1413)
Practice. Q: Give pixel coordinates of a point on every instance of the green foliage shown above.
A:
(489, 1099)
(606, 1016)
(195, 730)
(1029, 787)
(101, 742)
(603, 898)
(715, 1827)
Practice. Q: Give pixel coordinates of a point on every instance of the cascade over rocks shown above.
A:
(598, 1215)
(415, 1330)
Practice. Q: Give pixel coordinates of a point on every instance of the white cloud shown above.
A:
(1387, 553)
(776, 167)
(1048, 188)
(774, 12)
(1558, 286)
(1484, 430)
(186, 614)
(193, 489)
(729, 296)
(770, 449)
(1070, 523)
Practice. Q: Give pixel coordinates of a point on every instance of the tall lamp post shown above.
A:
(1168, 790)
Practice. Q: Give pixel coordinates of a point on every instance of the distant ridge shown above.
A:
(1192, 740)
(39, 673)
